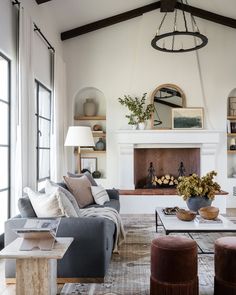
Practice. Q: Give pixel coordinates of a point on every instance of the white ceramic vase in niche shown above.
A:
(90, 107)
(141, 125)
(134, 126)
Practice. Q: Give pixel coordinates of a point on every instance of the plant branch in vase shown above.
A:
(140, 112)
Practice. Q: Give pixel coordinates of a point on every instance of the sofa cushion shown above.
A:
(87, 174)
(112, 204)
(50, 187)
(80, 187)
(25, 207)
(55, 204)
(100, 195)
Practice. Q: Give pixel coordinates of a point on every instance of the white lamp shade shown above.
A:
(79, 136)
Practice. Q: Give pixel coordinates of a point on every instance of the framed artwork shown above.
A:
(89, 163)
(187, 118)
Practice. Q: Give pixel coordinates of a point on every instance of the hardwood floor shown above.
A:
(10, 289)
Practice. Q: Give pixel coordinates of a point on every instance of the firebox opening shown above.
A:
(165, 162)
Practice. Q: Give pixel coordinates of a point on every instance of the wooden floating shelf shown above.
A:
(231, 151)
(86, 118)
(99, 134)
(231, 134)
(231, 117)
(92, 152)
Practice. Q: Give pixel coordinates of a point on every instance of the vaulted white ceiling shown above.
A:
(69, 14)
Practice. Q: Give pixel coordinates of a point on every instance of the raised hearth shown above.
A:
(128, 140)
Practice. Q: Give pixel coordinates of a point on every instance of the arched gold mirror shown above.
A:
(165, 97)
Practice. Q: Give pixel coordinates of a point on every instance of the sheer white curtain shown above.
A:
(58, 151)
(23, 154)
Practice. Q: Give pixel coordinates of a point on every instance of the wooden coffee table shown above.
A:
(36, 270)
(172, 224)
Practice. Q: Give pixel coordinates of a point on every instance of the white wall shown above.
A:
(120, 60)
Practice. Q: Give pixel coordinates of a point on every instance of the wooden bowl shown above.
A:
(185, 215)
(209, 212)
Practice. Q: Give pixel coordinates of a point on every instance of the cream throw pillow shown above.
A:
(80, 189)
(50, 187)
(55, 204)
(100, 195)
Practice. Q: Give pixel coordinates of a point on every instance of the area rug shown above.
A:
(129, 272)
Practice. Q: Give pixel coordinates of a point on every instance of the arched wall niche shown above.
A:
(99, 119)
(231, 134)
(89, 92)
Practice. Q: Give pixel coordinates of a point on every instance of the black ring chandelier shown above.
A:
(200, 40)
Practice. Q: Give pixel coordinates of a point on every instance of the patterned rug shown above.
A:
(129, 272)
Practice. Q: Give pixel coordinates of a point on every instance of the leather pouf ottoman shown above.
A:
(225, 266)
(174, 266)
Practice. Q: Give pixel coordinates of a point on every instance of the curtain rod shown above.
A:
(37, 29)
(15, 2)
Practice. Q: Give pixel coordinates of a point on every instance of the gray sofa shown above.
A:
(88, 257)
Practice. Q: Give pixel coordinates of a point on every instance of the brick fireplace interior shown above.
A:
(165, 161)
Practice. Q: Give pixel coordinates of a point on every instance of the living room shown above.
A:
(75, 63)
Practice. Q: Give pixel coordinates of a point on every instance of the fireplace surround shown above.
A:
(144, 201)
(204, 143)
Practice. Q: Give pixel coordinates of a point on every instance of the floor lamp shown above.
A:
(79, 136)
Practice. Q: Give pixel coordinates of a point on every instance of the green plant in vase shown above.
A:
(140, 112)
(198, 191)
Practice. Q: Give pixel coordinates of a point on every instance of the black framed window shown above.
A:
(43, 113)
(4, 140)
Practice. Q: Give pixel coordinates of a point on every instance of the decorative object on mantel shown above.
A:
(165, 97)
(177, 40)
(198, 191)
(140, 112)
(90, 108)
(187, 118)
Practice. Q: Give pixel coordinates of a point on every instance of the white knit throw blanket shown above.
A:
(111, 214)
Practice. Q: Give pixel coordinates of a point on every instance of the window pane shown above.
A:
(44, 133)
(4, 168)
(4, 83)
(44, 103)
(4, 128)
(44, 163)
(4, 209)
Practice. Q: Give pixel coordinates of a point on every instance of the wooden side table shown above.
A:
(36, 270)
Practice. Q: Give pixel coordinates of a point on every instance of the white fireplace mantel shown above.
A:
(128, 140)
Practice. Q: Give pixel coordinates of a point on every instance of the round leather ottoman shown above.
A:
(173, 266)
(225, 266)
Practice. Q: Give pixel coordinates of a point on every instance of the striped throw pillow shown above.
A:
(99, 194)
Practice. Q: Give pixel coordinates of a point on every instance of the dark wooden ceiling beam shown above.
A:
(204, 14)
(41, 1)
(168, 5)
(207, 15)
(110, 21)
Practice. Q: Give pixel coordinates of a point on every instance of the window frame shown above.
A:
(38, 116)
(8, 146)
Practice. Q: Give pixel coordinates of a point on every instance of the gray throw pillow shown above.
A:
(25, 207)
(87, 174)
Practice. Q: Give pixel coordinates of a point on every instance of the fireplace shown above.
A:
(165, 161)
(135, 145)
